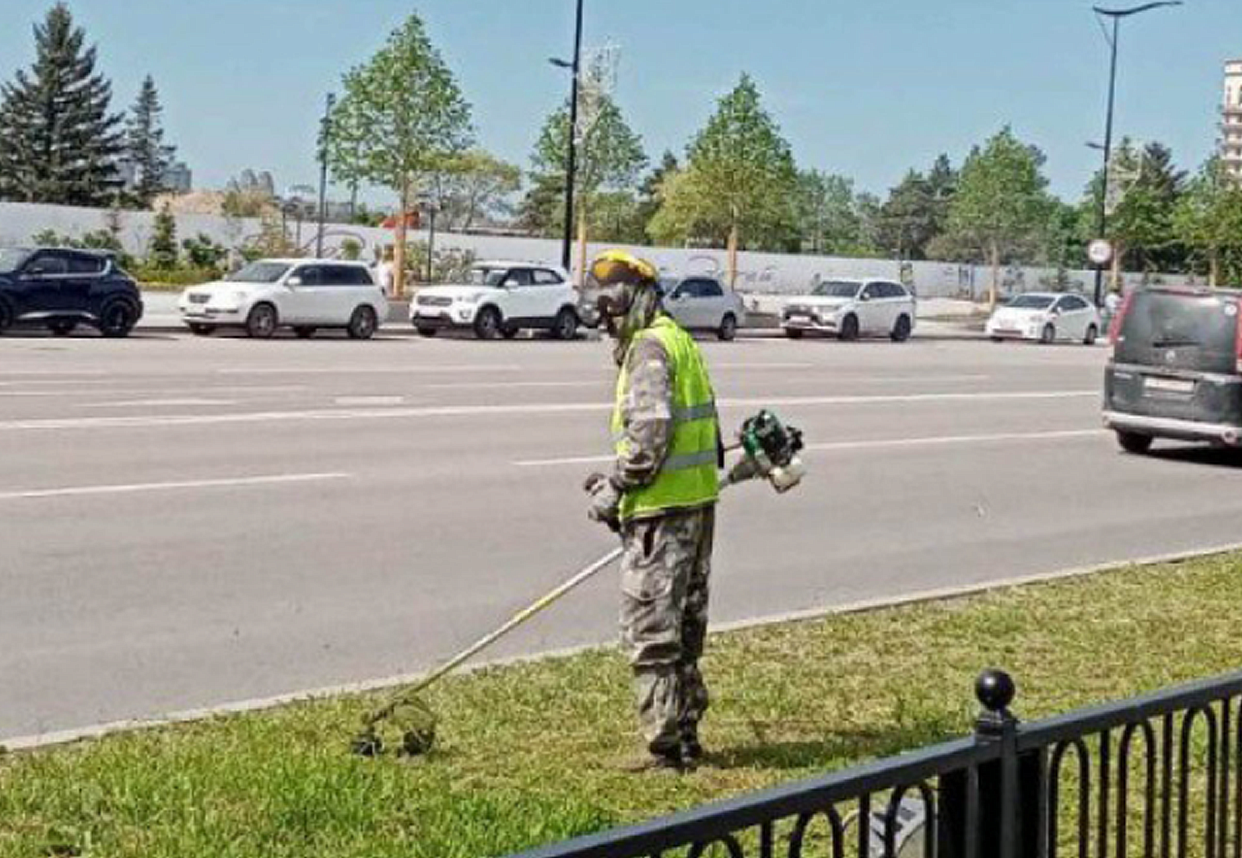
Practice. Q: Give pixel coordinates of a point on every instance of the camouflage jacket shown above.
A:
(646, 414)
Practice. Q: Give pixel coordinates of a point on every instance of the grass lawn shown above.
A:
(532, 753)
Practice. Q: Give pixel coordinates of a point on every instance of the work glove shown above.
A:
(605, 503)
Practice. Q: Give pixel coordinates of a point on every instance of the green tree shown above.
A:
(1141, 224)
(610, 157)
(1208, 220)
(830, 219)
(203, 253)
(401, 119)
(60, 142)
(1001, 208)
(474, 186)
(145, 149)
(162, 250)
(740, 184)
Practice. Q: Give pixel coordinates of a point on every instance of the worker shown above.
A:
(660, 496)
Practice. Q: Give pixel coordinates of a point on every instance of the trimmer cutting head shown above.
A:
(410, 726)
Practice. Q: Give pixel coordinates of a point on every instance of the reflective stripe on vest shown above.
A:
(688, 476)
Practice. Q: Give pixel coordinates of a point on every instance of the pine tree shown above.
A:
(61, 143)
(145, 149)
(162, 252)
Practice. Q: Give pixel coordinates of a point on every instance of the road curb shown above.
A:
(96, 731)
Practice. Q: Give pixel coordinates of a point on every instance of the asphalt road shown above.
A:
(193, 522)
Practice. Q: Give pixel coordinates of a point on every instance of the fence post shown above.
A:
(1012, 788)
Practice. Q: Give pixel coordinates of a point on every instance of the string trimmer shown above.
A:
(769, 451)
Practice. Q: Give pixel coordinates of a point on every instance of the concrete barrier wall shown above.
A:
(760, 273)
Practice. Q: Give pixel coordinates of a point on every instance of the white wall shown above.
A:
(758, 272)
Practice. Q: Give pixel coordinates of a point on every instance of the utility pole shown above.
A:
(324, 132)
(1102, 214)
(571, 157)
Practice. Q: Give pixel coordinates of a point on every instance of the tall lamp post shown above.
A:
(1102, 217)
(324, 131)
(571, 156)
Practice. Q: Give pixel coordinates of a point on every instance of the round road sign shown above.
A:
(1100, 252)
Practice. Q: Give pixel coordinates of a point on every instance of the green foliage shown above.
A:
(402, 116)
(609, 159)
(351, 249)
(1001, 208)
(917, 210)
(448, 265)
(739, 174)
(60, 141)
(162, 250)
(830, 216)
(473, 187)
(144, 144)
(1208, 220)
(203, 253)
(1142, 225)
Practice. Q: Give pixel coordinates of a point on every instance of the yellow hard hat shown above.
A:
(619, 266)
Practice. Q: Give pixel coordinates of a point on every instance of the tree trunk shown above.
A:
(398, 275)
(1214, 268)
(582, 248)
(994, 289)
(732, 257)
(1114, 274)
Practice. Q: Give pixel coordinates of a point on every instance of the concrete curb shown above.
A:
(96, 731)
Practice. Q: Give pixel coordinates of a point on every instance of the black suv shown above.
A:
(1176, 370)
(60, 289)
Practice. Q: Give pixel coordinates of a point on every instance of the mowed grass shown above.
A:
(533, 753)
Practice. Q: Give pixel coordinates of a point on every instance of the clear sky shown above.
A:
(867, 88)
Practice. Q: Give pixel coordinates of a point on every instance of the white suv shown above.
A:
(305, 294)
(498, 299)
(851, 309)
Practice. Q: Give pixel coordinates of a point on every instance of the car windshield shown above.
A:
(11, 259)
(1031, 302)
(260, 272)
(483, 275)
(836, 289)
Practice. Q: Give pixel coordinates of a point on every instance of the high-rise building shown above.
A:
(1231, 119)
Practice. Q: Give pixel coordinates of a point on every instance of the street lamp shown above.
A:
(1116, 15)
(571, 156)
(324, 132)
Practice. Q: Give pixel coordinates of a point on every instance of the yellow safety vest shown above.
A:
(688, 477)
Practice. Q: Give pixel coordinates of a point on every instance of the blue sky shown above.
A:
(867, 88)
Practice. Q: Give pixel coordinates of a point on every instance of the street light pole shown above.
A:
(571, 159)
(324, 131)
(1102, 214)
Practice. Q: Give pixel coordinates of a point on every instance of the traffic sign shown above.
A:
(1100, 252)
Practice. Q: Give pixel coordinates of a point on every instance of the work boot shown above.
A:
(691, 750)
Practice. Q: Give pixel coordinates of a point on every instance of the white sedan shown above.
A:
(1046, 317)
(304, 294)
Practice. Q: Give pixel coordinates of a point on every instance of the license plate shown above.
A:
(1169, 385)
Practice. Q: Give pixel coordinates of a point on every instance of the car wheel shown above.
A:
(510, 331)
(1133, 442)
(117, 319)
(1092, 333)
(793, 333)
(1048, 335)
(565, 327)
(998, 339)
(728, 328)
(262, 322)
(304, 332)
(849, 328)
(62, 327)
(487, 324)
(363, 324)
(201, 330)
(426, 332)
(901, 331)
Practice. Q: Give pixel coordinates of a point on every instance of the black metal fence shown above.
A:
(1159, 775)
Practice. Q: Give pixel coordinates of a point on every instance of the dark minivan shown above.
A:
(1176, 370)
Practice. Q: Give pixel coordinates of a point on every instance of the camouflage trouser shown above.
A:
(664, 588)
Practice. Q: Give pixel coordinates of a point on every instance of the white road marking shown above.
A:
(146, 421)
(135, 488)
(369, 400)
(366, 370)
(8, 373)
(943, 440)
(491, 385)
(156, 403)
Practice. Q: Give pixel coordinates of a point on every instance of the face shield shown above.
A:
(608, 293)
